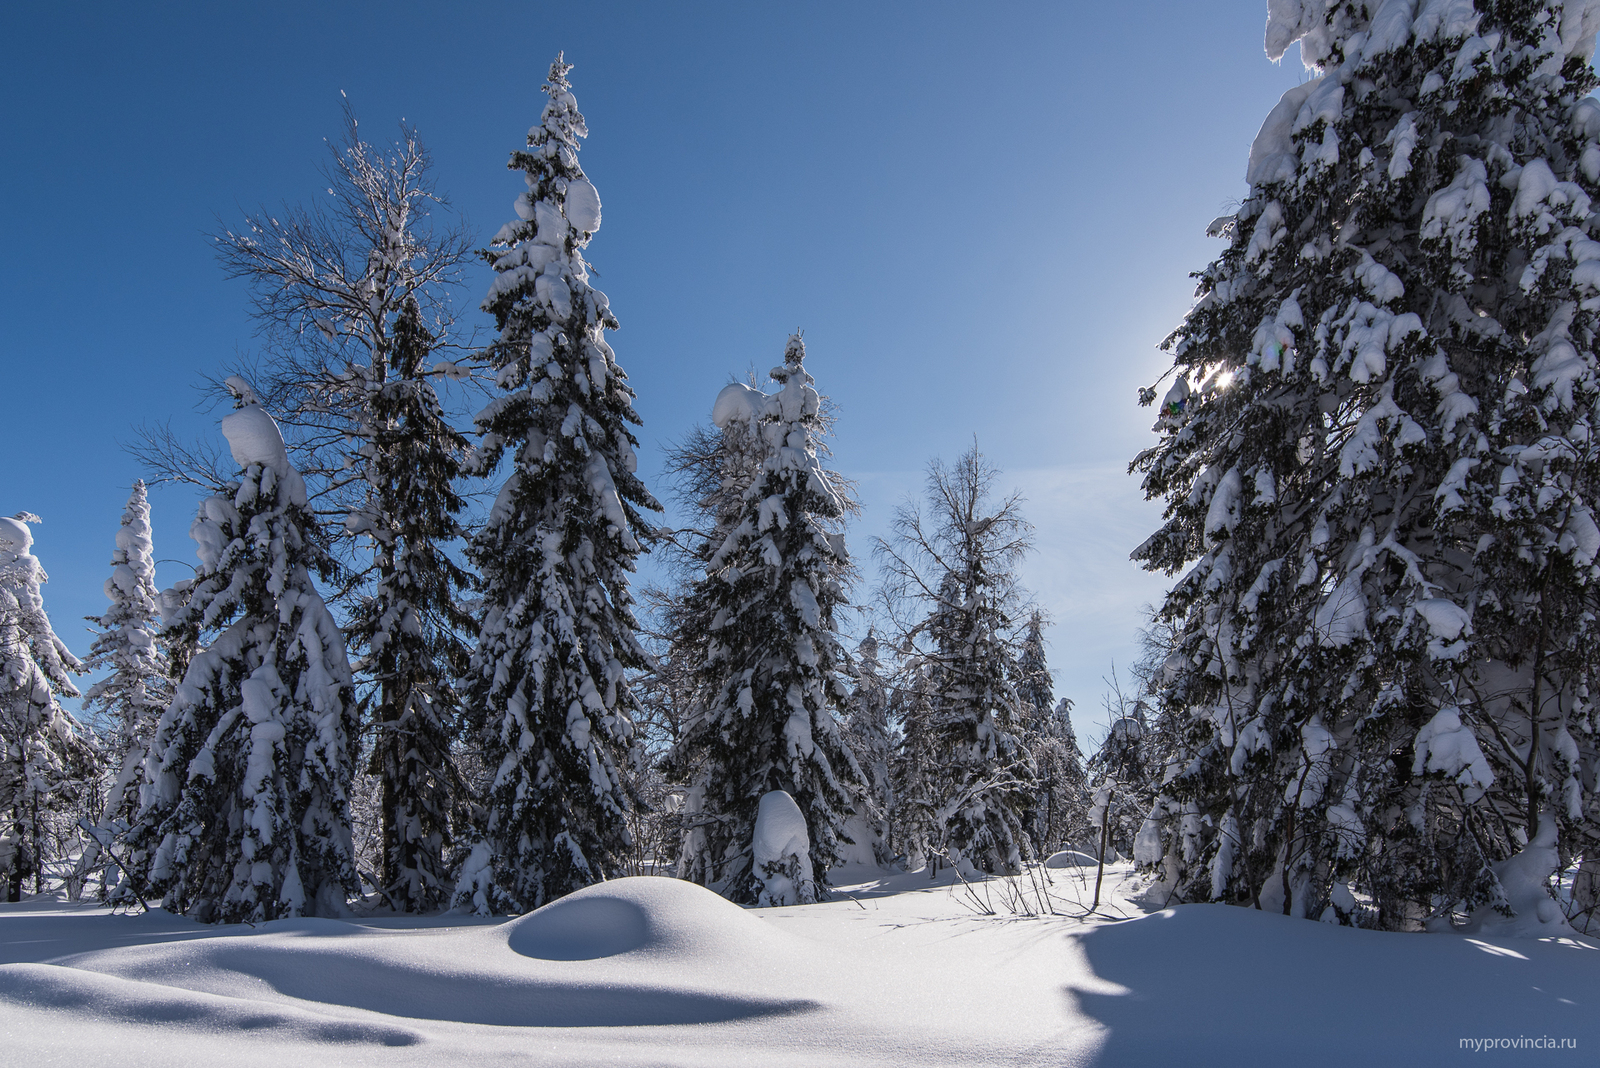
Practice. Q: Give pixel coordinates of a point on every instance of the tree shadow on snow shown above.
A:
(1221, 985)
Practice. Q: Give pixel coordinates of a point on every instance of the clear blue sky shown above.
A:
(983, 216)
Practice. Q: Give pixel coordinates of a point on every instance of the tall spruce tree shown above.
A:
(1045, 729)
(871, 738)
(1379, 467)
(410, 629)
(558, 630)
(976, 778)
(138, 687)
(1064, 807)
(47, 763)
(244, 812)
(771, 684)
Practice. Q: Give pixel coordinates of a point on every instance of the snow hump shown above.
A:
(643, 914)
(737, 403)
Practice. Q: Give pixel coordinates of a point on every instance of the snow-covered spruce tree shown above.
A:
(771, 684)
(914, 765)
(340, 290)
(1065, 782)
(959, 563)
(558, 632)
(47, 763)
(410, 627)
(244, 812)
(872, 740)
(1046, 731)
(138, 688)
(711, 470)
(1122, 777)
(1378, 455)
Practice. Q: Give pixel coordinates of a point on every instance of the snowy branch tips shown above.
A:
(1379, 456)
(558, 630)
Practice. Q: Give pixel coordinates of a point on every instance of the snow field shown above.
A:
(897, 970)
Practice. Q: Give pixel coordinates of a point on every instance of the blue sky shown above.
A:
(983, 216)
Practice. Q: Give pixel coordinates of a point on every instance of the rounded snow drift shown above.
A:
(1072, 858)
(642, 913)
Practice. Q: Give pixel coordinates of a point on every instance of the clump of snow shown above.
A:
(1445, 744)
(738, 403)
(782, 852)
(254, 438)
(1273, 157)
(1445, 618)
(583, 205)
(15, 537)
(1535, 914)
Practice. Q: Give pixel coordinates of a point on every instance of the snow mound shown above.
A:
(1535, 913)
(642, 914)
(1072, 858)
(630, 953)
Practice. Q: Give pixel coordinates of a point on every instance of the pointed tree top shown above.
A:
(558, 74)
(561, 117)
(794, 353)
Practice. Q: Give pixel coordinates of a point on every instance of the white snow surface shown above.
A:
(897, 970)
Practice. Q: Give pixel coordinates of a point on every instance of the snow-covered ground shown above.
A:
(897, 970)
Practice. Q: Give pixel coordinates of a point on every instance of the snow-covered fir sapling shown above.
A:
(1379, 467)
(410, 627)
(558, 630)
(780, 853)
(244, 811)
(969, 791)
(771, 685)
(138, 687)
(47, 763)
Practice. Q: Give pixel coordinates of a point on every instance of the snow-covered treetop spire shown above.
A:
(1332, 31)
(794, 353)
